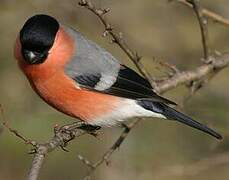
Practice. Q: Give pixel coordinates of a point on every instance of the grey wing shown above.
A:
(96, 69)
(92, 60)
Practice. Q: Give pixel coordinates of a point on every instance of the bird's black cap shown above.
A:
(37, 37)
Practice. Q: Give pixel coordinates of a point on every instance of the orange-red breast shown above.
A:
(81, 79)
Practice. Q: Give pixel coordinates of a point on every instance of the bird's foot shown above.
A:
(91, 129)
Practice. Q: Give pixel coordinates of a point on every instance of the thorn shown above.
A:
(108, 27)
(32, 151)
(105, 33)
(31, 142)
(112, 41)
(205, 21)
(106, 10)
(64, 148)
(108, 162)
(100, 12)
(217, 53)
(56, 128)
(56, 125)
(80, 157)
(103, 11)
(138, 57)
(86, 162)
(94, 134)
(209, 60)
(83, 3)
(120, 35)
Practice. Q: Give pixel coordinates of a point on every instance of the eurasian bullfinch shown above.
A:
(81, 79)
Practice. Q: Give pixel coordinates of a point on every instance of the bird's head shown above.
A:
(37, 37)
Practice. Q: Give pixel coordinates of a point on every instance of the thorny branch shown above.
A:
(63, 135)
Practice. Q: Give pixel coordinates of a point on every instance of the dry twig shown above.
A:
(176, 79)
(218, 63)
(106, 156)
(62, 135)
(5, 123)
(208, 13)
(203, 26)
(116, 38)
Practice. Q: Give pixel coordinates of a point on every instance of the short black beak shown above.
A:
(33, 57)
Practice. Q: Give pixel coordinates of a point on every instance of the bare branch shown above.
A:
(37, 162)
(169, 83)
(210, 14)
(6, 124)
(62, 136)
(203, 26)
(177, 79)
(171, 67)
(106, 156)
(193, 75)
(135, 58)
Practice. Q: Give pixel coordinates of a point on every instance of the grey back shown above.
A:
(92, 59)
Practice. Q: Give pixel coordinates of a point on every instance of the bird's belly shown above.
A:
(63, 94)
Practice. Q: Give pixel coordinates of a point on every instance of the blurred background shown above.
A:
(155, 149)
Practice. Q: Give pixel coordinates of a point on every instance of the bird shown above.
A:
(83, 80)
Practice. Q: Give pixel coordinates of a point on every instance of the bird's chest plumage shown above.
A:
(61, 92)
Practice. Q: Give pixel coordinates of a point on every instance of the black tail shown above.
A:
(172, 114)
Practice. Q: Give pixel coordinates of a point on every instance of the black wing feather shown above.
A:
(87, 80)
(131, 75)
(128, 85)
